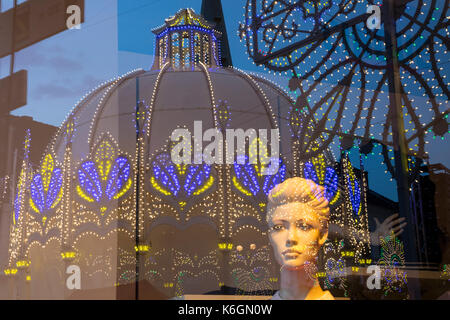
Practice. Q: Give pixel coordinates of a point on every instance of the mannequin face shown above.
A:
(295, 234)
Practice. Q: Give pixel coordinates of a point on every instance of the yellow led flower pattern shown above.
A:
(106, 178)
(180, 181)
(324, 175)
(46, 187)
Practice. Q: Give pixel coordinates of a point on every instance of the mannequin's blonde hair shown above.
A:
(299, 190)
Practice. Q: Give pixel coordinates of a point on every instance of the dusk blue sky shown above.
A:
(116, 38)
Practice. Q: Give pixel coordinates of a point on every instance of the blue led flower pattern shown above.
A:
(326, 176)
(119, 176)
(46, 187)
(89, 182)
(196, 177)
(165, 176)
(100, 182)
(180, 180)
(354, 191)
(246, 179)
(250, 181)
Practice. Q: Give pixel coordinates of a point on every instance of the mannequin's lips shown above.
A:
(291, 251)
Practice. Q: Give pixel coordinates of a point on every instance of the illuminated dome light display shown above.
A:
(107, 197)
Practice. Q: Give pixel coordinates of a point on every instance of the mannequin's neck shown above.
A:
(296, 285)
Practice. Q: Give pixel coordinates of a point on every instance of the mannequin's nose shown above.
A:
(291, 242)
(292, 238)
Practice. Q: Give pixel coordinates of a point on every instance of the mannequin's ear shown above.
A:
(323, 238)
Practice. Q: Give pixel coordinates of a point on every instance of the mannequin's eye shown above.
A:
(304, 226)
(277, 227)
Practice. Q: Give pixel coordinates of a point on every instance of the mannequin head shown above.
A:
(297, 215)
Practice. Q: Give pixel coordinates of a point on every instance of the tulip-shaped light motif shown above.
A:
(106, 178)
(93, 188)
(354, 191)
(250, 181)
(180, 180)
(46, 188)
(317, 171)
